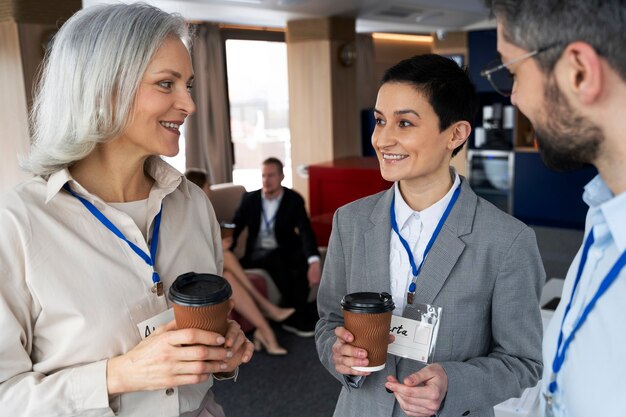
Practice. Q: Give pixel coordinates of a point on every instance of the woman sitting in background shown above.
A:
(249, 302)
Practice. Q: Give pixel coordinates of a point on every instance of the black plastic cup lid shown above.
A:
(368, 302)
(198, 290)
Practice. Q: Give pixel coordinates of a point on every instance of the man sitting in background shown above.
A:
(281, 241)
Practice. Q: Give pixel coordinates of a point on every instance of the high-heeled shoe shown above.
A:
(280, 314)
(261, 343)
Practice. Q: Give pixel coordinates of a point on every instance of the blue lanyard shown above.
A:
(268, 223)
(149, 259)
(394, 225)
(561, 347)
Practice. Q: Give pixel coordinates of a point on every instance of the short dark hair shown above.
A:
(534, 24)
(274, 161)
(445, 85)
(198, 177)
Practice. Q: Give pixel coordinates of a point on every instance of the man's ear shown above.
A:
(583, 71)
(460, 132)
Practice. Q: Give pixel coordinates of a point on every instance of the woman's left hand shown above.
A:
(422, 393)
(239, 345)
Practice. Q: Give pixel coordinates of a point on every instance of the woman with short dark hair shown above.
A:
(441, 252)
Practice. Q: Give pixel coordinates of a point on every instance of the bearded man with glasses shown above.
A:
(566, 66)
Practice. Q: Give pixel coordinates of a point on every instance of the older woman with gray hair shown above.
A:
(92, 240)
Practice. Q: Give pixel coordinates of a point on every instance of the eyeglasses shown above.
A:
(499, 76)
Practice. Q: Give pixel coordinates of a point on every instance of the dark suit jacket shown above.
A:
(292, 226)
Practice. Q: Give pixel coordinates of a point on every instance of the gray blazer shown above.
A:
(484, 270)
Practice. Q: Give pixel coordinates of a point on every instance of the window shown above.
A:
(258, 91)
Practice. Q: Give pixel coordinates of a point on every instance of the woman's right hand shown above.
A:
(168, 358)
(345, 355)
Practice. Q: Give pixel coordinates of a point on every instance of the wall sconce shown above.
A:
(347, 54)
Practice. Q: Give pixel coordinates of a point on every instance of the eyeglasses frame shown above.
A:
(486, 73)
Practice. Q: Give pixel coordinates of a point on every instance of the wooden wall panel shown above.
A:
(389, 52)
(14, 136)
(39, 11)
(322, 94)
(310, 110)
(33, 37)
(452, 43)
(6, 10)
(346, 132)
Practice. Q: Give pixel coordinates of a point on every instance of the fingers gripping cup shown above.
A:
(367, 315)
(201, 302)
(227, 230)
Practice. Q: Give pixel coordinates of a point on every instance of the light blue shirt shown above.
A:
(592, 381)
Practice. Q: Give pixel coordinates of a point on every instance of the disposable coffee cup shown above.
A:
(367, 315)
(227, 230)
(201, 302)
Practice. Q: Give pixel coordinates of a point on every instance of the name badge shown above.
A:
(146, 327)
(416, 339)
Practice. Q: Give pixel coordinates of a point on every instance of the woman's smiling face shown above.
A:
(409, 145)
(163, 102)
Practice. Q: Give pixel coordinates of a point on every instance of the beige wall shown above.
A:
(388, 53)
(14, 137)
(33, 37)
(310, 107)
(23, 24)
(323, 110)
(452, 43)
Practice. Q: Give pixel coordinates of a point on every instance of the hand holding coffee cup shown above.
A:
(201, 301)
(367, 316)
(227, 230)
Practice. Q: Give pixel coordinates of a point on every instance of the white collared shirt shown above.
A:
(267, 235)
(269, 208)
(416, 228)
(72, 293)
(137, 210)
(592, 380)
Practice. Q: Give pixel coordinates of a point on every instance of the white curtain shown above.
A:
(207, 132)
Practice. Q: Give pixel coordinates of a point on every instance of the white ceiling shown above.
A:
(402, 16)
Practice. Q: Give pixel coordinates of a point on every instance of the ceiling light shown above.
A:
(402, 37)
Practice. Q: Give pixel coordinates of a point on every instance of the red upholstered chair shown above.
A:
(259, 283)
(264, 284)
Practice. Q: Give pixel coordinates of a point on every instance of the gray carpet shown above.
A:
(269, 386)
(557, 248)
(299, 386)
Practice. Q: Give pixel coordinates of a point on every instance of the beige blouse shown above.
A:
(72, 293)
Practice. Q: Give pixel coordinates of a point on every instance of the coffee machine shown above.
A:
(497, 129)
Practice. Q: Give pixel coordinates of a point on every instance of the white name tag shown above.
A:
(146, 327)
(413, 338)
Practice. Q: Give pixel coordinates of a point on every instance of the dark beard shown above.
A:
(567, 140)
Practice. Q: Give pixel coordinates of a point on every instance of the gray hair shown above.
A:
(90, 78)
(533, 24)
